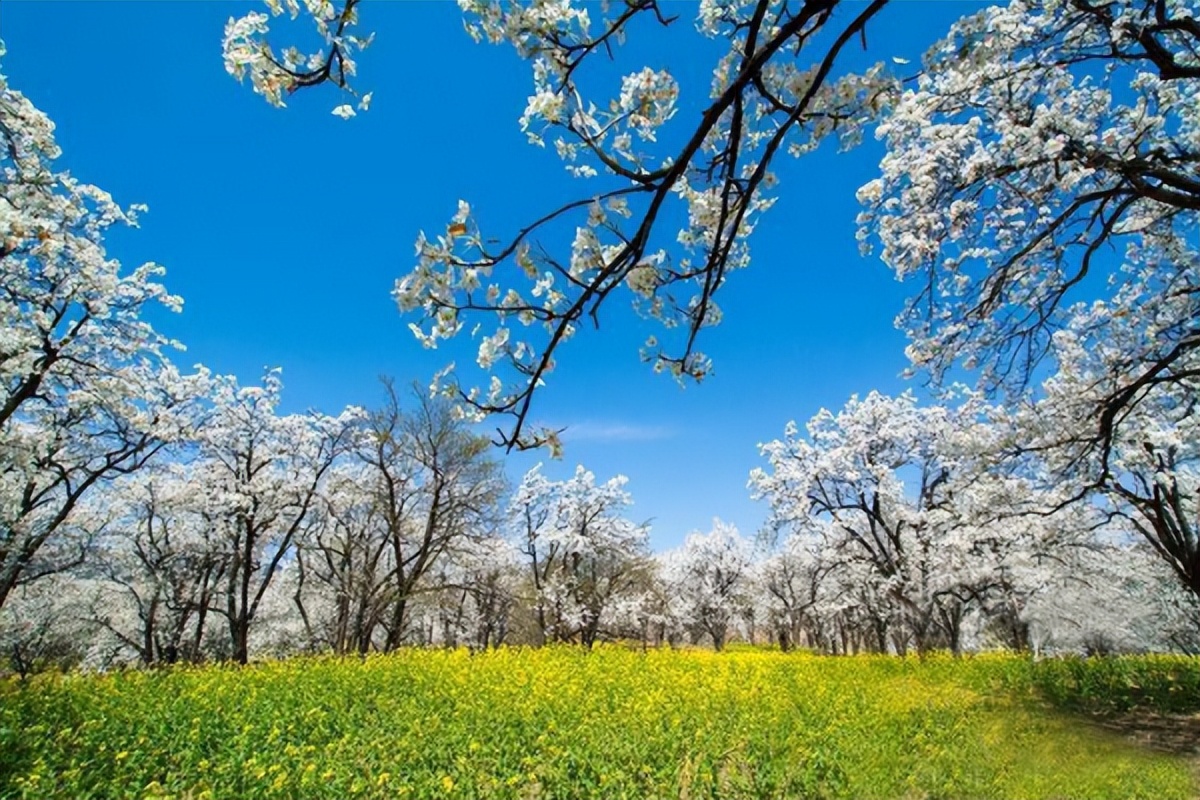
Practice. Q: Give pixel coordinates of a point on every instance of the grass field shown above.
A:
(566, 723)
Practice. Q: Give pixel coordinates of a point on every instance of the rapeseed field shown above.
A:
(569, 723)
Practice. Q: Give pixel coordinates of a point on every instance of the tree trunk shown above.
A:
(239, 637)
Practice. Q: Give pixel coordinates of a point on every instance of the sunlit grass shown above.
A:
(567, 723)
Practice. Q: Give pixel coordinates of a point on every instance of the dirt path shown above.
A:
(1172, 733)
(1177, 734)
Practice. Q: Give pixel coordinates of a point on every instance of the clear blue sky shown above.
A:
(284, 232)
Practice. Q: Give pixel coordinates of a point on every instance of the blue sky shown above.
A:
(284, 232)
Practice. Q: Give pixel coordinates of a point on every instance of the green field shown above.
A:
(567, 723)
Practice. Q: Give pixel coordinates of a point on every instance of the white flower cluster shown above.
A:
(274, 74)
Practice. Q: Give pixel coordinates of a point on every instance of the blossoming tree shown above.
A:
(417, 489)
(1047, 154)
(261, 473)
(902, 512)
(710, 574)
(582, 554)
(86, 390)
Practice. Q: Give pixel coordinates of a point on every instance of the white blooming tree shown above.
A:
(1113, 596)
(1042, 189)
(1147, 471)
(471, 597)
(342, 564)
(789, 585)
(489, 573)
(49, 624)
(159, 565)
(954, 526)
(416, 488)
(260, 474)
(86, 392)
(581, 553)
(879, 489)
(710, 574)
(652, 611)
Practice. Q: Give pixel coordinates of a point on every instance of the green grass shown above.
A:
(564, 723)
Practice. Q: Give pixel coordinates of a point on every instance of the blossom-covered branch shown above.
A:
(530, 297)
(1048, 156)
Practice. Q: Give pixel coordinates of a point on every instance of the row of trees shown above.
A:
(920, 518)
(891, 531)
(178, 559)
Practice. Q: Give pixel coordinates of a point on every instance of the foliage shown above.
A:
(1161, 683)
(566, 722)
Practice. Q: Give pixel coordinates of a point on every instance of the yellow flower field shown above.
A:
(567, 723)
